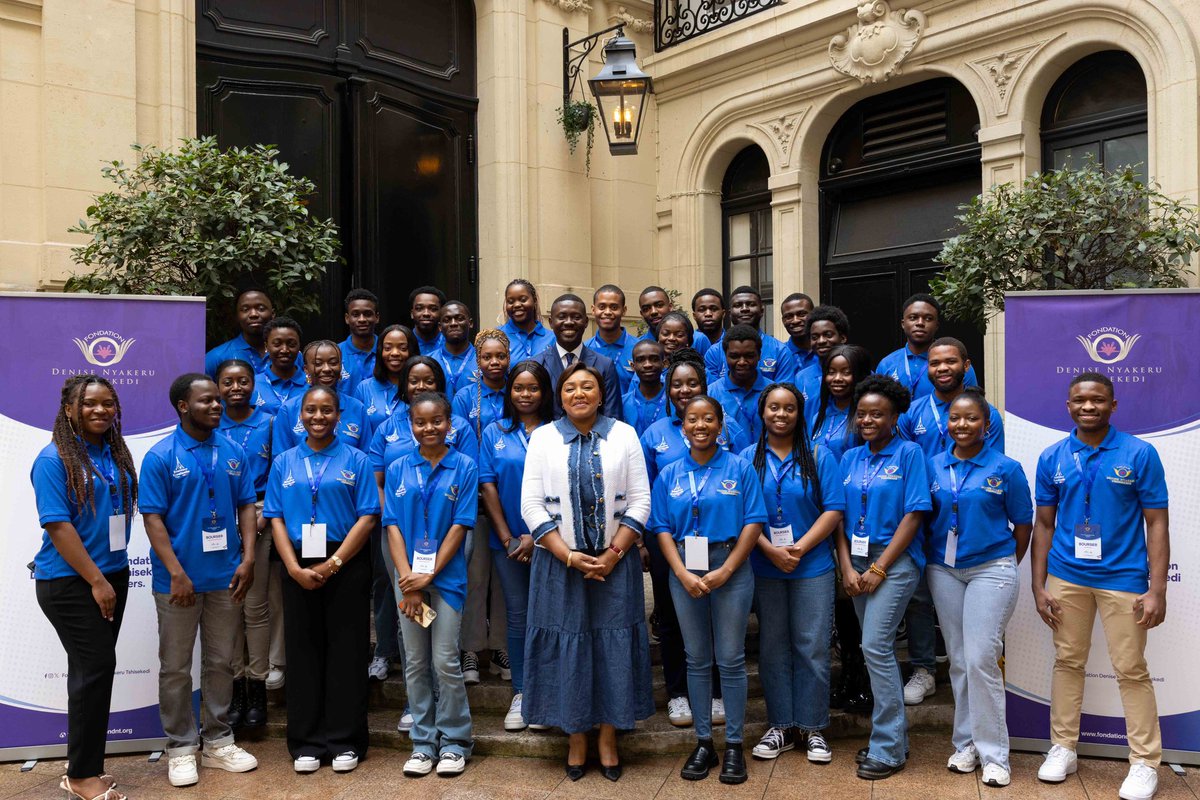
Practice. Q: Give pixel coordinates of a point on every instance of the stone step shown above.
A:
(655, 736)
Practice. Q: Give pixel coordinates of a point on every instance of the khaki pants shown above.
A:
(1126, 648)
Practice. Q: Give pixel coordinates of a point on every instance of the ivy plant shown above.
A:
(576, 117)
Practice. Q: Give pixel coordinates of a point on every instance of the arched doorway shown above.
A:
(375, 102)
(746, 232)
(894, 171)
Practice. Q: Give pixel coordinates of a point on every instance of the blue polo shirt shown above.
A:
(836, 433)
(993, 493)
(927, 423)
(359, 364)
(729, 499)
(381, 399)
(701, 343)
(424, 516)
(522, 345)
(479, 405)
(461, 370)
(775, 363)
(898, 484)
(237, 347)
(502, 462)
(346, 490)
(912, 370)
(741, 403)
(394, 439)
(802, 501)
(253, 435)
(805, 357)
(428, 346)
(663, 443)
(808, 381)
(272, 391)
(621, 353)
(640, 412)
(353, 427)
(173, 484)
(55, 503)
(1129, 478)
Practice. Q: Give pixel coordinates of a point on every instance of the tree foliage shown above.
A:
(201, 221)
(1065, 229)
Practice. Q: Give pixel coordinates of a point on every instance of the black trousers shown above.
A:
(670, 638)
(328, 637)
(91, 644)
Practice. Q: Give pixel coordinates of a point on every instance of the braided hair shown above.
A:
(490, 335)
(315, 345)
(485, 335)
(528, 286)
(81, 470)
(802, 454)
(685, 357)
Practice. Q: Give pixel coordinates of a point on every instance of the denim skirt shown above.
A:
(587, 655)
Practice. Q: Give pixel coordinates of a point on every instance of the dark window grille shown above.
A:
(676, 21)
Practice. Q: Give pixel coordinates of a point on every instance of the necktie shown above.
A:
(568, 360)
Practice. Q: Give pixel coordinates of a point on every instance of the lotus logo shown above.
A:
(728, 485)
(104, 348)
(995, 481)
(891, 470)
(1108, 345)
(233, 463)
(1122, 472)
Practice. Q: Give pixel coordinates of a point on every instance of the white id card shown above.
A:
(695, 553)
(116, 533)
(312, 540)
(423, 562)
(1087, 543)
(859, 544)
(214, 540)
(782, 536)
(951, 548)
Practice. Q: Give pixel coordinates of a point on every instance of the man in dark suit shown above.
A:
(568, 320)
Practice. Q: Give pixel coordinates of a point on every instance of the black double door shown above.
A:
(374, 101)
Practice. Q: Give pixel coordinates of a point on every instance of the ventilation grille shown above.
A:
(918, 125)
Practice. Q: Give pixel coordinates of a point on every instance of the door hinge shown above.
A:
(472, 270)
(470, 148)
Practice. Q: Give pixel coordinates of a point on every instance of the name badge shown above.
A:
(1087, 542)
(782, 536)
(214, 539)
(695, 553)
(312, 540)
(116, 533)
(951, 548)
(423, 562)
(859, 543)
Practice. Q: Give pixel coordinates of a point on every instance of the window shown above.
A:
(1098, 109)
(746, 213)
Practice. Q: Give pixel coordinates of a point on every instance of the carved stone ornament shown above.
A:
(1001, 71)
(873, 49)
(632, 23)
(783, 130)
(571, 6)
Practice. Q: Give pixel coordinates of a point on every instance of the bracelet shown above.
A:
(570, 555)
(337, 565)
(616, 550)
(878, 570)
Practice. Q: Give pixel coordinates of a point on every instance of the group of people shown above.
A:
(505, 492)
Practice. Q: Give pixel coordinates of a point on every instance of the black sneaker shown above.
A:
(470, 668)
(237, 706)
(774, 742)
(500, 666)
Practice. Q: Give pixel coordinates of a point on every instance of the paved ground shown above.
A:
(537, 779)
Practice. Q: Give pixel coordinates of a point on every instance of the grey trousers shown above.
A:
(254, 633)
(217, 618)
(276, 574)
(485, 598)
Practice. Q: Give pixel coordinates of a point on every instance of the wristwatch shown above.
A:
(337, 564)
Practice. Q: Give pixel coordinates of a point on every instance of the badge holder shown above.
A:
(424, 562)
(116, 533)
(781, 536)
(312, 540)
(695, 553)
(215, 539)
(1087, 542)
(860, 542)
(951, 548)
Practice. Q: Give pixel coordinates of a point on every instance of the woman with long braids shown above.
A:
(481, 402)
(527, 336)
(85, 484)
(794, 574)
(381, 393)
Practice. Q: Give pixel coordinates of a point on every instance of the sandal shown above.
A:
(108, 794)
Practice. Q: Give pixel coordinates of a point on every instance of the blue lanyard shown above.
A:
(955, 490)
(867, 480)
(426, 496)
(210, 479)
(522, 436)
(314, 484)
(937, 419)
(642, 405)
(391, 405)
(908, 372)
(1089, 480)
(106, 470)
(452, 377)
(779, 475)
(831, 430)
(696, 490)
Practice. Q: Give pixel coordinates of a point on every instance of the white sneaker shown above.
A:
(406, 721)
(450, 764)
(181, 770)
(964, 761)
(378, 670)
(995, 775)
(306, 764)
(1060, 762)
(230, 758)
(679, 712)
(418, 764)
(470, 668)
(919, 686)
(513, 721)
(718, 711)
(1140, 784)
(275, 678)
(345, 762)
(533, 727)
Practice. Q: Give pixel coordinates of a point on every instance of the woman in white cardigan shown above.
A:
(586, 499)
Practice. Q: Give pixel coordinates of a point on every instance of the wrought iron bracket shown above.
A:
(576, 53)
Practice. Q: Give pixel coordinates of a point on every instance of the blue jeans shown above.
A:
(383, 599)
(922, 628)
(975, 644)
(441, 725)
(879, 614)
(715, 626)
(795, 621)
(514, 581)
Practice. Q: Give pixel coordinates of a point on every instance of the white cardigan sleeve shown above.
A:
(533, 487)
(637, 489)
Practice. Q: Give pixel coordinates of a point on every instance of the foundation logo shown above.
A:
(1108, 345)
(104, 348)
(728, 488)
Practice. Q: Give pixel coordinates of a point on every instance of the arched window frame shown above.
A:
(747, 256)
